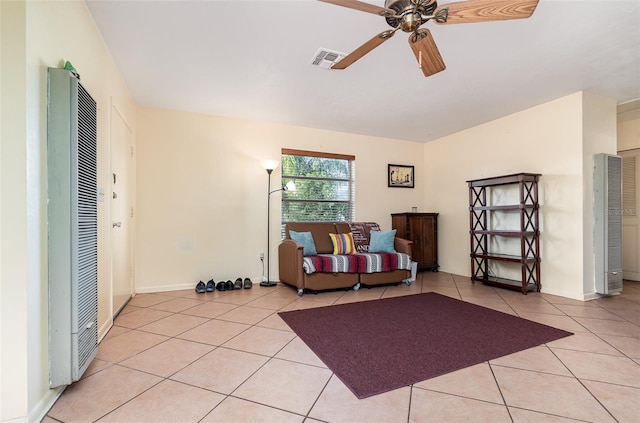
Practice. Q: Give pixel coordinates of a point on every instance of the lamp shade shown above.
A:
(269, 164)
(290, 186)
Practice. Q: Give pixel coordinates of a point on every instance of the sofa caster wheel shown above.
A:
(356, 287)
(300, 292)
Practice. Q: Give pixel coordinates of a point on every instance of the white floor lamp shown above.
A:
(270, 166)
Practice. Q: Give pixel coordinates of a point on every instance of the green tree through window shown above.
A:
(325, 187)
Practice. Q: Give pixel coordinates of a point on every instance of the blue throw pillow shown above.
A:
(382, 241)
(306, 239)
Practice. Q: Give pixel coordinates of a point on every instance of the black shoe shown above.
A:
(247, 283)
(221, 286)
(201, 288)
(237, 284)
(211, 286)
(229, 285)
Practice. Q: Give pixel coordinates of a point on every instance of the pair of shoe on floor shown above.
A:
(211, 286)
(238, 284)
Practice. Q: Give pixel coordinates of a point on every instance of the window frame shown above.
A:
(350, 180)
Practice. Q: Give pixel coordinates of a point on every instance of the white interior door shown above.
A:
(121, 211)
(631, 218)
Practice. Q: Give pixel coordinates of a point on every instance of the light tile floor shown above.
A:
(227, 357)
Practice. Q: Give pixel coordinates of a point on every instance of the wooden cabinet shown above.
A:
(422, 229)
(505, 232)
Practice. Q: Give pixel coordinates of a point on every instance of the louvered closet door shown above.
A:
(631, 216)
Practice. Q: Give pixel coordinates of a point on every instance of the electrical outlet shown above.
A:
(261, 256)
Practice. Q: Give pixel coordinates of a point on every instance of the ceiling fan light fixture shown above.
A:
(410, 14)
(410, 22)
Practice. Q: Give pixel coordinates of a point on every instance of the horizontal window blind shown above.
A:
(325, 187)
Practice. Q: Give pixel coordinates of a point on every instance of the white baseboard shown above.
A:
(164, 288)
(591, 296)
(104, 329)
(594, 296)
(560, 293)
(43, 406)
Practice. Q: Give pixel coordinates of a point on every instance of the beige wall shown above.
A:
(629, 126)
(43, 34)
(547, 139)
(202, 199)
(52, 42)
(598, 136)
(14, 312)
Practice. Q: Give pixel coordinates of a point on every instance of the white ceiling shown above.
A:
(251, 59)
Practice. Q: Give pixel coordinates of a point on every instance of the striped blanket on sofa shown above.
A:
(356, 263)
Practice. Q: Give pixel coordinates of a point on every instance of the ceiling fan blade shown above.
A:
(426, 51)
(484, 11)
(362, 6)
(364, 49)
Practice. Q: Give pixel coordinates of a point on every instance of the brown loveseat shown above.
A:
(294, 270)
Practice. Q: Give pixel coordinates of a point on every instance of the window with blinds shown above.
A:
(325, 187)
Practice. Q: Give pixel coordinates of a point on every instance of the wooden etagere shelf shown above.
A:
(528, 233)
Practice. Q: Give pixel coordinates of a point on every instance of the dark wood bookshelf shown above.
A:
(528, 232)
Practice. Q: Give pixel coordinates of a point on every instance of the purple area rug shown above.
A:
(381, 345)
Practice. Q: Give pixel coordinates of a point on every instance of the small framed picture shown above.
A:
(400, 176)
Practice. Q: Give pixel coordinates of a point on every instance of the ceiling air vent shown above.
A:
(326, 58)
